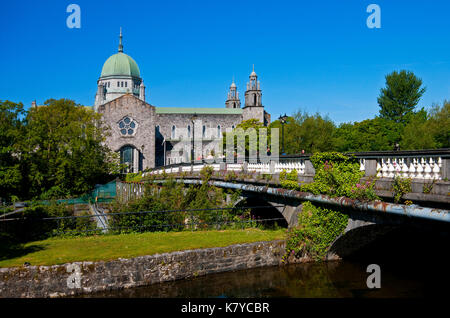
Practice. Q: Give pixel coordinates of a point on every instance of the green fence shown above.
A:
(101, 193)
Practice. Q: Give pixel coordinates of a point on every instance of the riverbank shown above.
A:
(90, 277)
(56, 251)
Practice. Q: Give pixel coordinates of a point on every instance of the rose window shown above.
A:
(127, 126)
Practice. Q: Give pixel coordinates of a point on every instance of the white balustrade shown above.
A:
(234, 166)
(362, 164)
(289, 166)
(416, 168)
(379, 169)
(186, 169)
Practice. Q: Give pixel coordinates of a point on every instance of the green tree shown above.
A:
(246, 130)
(315, 133)
(368, 135)
(418, 133)
(65, 153)
(11, 134)
(307, 133)
(291, 130)
(439, 123)
(400, 96)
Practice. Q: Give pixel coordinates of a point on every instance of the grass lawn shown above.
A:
(108, 247)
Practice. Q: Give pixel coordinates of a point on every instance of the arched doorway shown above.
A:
(131, 157)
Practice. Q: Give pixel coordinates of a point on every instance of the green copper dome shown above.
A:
(120, 64)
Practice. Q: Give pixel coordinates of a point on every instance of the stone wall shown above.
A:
(143, 114)
(180, 146)
(87, 277)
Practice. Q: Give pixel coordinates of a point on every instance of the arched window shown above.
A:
(174, 131)
(218, 131)
(118, 84)
(254, 99)
(204, 131)
(189, 131)
(126, 84)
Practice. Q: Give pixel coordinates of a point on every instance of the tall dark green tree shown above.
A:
(11, 134)
(400, 96)
(65, 151)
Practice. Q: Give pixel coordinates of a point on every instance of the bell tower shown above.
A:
(233, 100)
(253, 107)
(253, 92)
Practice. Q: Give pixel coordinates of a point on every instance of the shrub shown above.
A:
(32, 226)
(289, 180)
(317, 229)
(174, 196)
(365, 191)
(336, 174)
(133, 177)
(401, 186)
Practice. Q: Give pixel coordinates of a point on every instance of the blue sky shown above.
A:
(317, 56)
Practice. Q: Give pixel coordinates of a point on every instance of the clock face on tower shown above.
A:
(127, 126)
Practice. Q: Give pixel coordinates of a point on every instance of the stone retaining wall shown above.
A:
(88, 277)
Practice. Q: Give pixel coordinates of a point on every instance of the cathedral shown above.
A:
(147, 136)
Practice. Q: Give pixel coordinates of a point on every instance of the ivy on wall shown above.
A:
(317, 229)
(289, 180)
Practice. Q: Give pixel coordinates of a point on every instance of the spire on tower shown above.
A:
(253, 71)
(120, 41)
(232, 83)
(233, 97)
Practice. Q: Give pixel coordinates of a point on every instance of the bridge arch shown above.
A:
(356, 237)
(261, 209)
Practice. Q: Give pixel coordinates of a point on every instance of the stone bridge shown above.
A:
(367, 220)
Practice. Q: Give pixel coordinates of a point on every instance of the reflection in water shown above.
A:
(332, 280)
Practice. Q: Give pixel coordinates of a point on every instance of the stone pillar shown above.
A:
(445, 169)
(142, 91)
(370, 167)
(272, 167)
(135, 160)
(309, 168)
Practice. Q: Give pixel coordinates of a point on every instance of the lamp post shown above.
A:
(193, 118)
(283, 120)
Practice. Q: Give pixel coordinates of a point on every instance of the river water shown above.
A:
(335, 279)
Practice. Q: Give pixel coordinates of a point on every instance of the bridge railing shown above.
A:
(417, 164)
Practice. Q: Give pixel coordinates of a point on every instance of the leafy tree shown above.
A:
(64, 149)
(418, 133)
(439, 123)
(246, 130)
(315, 133)
(428, 130)
(11, 133)
(291, 130)
(308, 133)
(368, 135)
(400, 96)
